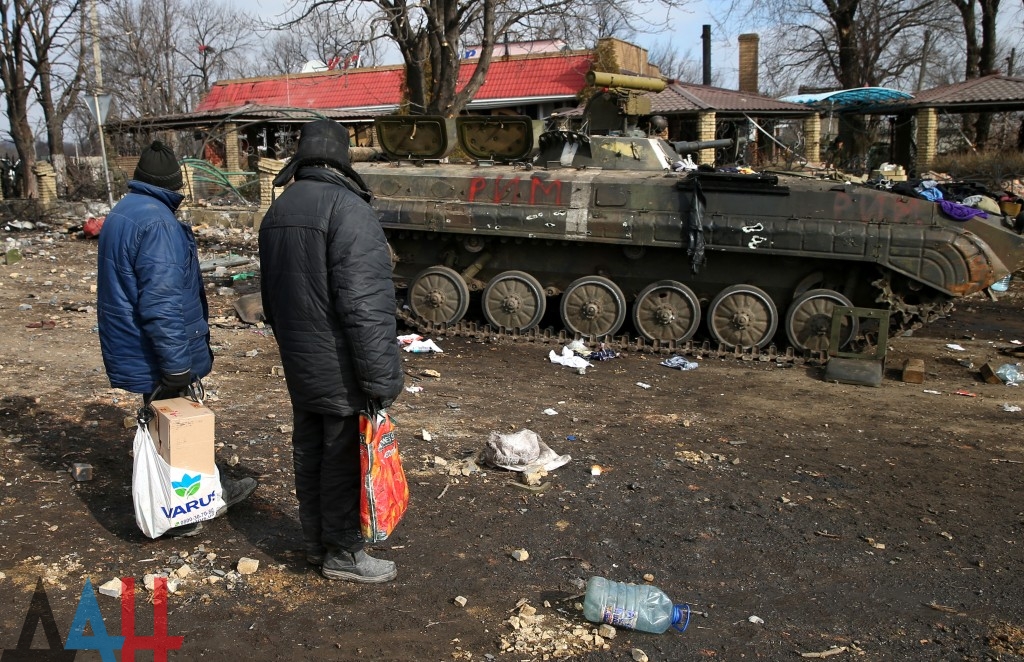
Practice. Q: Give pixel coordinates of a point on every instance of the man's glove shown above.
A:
(171, 385)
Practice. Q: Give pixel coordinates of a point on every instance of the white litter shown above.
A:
(642, 385)
(1008, 407)
(955, 347)
(412, 337)
(928, 390)
(568, 358)
(756, 620)
(680, 363)
(413, 389)
(550, 412)
(521, 451)
(423, 346)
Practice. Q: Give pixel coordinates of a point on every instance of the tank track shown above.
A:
(905, 317)
(621, 343)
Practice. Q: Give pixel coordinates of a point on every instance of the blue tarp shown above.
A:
(860, 96)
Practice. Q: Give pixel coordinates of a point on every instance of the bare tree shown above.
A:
(681, 66)
(429, 35)
(58, 57)
(980, 55)
(335, 35)
(846, 43)
(16, 78)
(160, 56)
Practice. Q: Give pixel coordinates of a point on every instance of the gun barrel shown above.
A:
(685, 146)
(643, 83)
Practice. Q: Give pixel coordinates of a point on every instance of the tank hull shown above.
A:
(624, 233)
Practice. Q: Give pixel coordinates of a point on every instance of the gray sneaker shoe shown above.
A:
(235, 491)
(358, 567)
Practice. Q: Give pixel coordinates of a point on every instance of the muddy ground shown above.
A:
(792, 515)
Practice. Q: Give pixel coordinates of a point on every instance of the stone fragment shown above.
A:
(431, 373)
(81, 471)
(111, 588)
(247, 566)
(520, 555)
(638, 655)
(606, 631)
(648, 577)
(460, 601)
(183, 572)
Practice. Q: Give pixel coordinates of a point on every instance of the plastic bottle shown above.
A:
(1002, 284)
(637, 607)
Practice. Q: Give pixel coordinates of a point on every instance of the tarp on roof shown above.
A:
(858, 96)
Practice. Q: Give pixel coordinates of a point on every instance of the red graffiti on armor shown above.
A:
(512, 191)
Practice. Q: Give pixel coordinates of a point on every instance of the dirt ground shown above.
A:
(793, 515)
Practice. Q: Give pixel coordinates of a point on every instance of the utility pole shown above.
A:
(100, 101)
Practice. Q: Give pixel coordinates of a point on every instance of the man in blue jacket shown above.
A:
(151, 305)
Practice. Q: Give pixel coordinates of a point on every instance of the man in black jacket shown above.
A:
(328, 295)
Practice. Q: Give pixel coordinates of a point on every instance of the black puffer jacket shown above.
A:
(327, 293)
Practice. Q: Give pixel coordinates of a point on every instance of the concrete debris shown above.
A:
(460, 601)
(247, 566)
(111, 588)
(548, 636)
(520, 555)
(606, 631)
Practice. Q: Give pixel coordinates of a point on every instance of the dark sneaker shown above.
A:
(315, 555)
(235, 491)
(358, 567)
(184, 531)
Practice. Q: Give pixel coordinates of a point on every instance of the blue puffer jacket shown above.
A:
(150, 301)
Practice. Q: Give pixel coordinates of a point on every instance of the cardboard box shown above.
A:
(183, 432)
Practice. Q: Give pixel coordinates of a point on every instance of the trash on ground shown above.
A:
(635, 606)
(680, 363)
(423, 347)
(1009, 373)
(411, 337)
(596, 469)
(413, 389)
(643, 385)
(521, 451)
(966, 393)
(550, 412)
(757, 620)
(430, 373)
(249, 308)
(578, 347)
(603, 354)
(568, 358)
(955, 347)
(81, 471)
(1008, 407)
(932, 391)
(425, 436)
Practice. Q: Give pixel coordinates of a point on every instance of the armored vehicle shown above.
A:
(602, 225)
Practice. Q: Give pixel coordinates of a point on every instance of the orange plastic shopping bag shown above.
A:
(384, 496)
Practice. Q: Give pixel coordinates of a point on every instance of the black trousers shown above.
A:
(325, 450)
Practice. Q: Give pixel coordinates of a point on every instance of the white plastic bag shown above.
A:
(166, 497)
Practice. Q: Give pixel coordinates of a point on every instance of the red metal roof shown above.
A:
(523, 77)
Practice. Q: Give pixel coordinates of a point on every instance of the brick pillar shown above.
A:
(46, 180)
(268, 169)
(232, 154)
(748, 44)
(812, 138)
(706, 131)
(927, 137)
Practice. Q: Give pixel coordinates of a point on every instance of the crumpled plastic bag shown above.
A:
(423, 346)
(568, 358)
(679, 362)
(521, 451)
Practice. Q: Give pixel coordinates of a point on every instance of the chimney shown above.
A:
(705, 36)
(748, 63)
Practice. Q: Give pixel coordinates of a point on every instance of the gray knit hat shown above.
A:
(158, 166)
